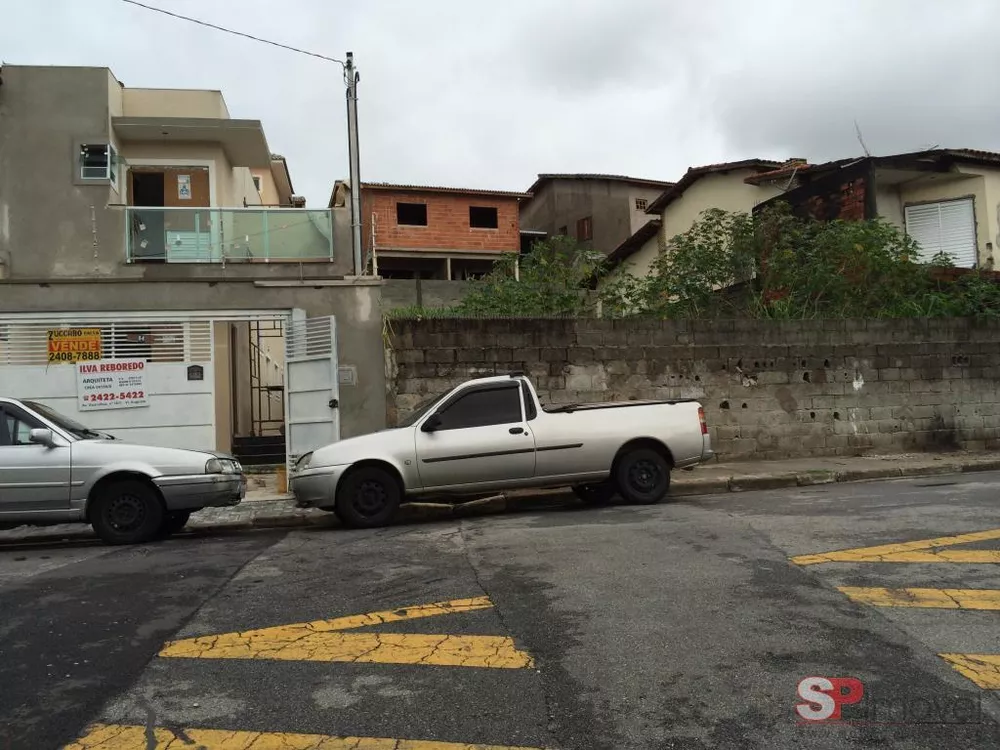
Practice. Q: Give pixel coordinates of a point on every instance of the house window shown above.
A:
(411, 214)
(483, 217)
(947, 227)
(256, 182)
(98, 161)
(563, 231)
(585, 229)
(640, 204)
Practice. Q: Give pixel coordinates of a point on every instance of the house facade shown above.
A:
(150, 228)
(948, 200)
(677, 208)
(598, 210)
(427, 232)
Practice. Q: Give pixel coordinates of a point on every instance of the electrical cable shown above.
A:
(237, 33)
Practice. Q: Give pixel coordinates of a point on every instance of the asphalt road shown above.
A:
(685, 625)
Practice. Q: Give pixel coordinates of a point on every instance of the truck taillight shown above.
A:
(701, 418)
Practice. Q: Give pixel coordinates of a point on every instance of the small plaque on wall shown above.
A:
(196, 372)
(347, 375)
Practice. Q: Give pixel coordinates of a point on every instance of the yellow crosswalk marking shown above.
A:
(982, 669)
(129, 737)
(921, 551)
(321, 641)
(924, 598)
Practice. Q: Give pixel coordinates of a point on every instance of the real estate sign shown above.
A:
(70, 345)
(111, 384)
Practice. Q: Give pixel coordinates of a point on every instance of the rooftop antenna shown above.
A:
(861, 140)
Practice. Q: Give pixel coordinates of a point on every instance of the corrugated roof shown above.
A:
(440, 189)
(548, 177)
(696, 173)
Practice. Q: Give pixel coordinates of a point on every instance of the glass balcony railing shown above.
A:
(228, 235)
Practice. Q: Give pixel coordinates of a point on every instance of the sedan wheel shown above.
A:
(126, 512)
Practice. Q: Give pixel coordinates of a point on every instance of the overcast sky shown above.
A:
(481, 93)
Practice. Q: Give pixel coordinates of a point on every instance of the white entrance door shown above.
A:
(311, 385)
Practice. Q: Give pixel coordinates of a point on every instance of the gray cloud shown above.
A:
(489, 94)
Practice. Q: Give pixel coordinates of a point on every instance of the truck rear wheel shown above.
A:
(643, 476)
(368, 497)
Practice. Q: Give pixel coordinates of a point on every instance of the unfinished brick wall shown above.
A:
(770, 389)
(447, 222)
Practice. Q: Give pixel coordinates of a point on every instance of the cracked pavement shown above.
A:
(686, 625)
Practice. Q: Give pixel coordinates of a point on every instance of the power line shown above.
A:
(236, 33)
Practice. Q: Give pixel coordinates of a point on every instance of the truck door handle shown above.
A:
(516, 430)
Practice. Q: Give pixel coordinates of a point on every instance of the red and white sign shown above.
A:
(111, 384)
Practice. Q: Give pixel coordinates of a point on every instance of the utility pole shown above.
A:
(351, 78)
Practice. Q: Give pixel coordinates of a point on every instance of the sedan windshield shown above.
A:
(63, 422)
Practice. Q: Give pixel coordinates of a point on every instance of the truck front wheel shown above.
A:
(368, 497)
(643, 476)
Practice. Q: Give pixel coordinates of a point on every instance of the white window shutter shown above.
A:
(947, 227)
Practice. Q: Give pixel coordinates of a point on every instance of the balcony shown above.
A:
(228, 235)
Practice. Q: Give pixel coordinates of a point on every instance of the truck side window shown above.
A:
(530, 411)
(482, 408)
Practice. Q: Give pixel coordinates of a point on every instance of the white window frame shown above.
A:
(111, 167)
(929, 212)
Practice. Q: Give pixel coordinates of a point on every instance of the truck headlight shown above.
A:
(221, 466)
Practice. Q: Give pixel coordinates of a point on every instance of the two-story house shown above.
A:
(599, 210)
(151, 226)
(429, 232)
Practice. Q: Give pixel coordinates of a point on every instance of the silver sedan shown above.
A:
(55, 470)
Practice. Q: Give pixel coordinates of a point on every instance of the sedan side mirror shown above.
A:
(42, 437)
(432, 422)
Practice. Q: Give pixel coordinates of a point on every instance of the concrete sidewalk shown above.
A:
(263, 509)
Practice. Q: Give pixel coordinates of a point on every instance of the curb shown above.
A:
(552, 498)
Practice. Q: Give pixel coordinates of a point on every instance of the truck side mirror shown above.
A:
(432, 422)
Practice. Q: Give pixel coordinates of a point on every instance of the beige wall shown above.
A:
(968, 184)
(889, 204)
(724, 191)
(638, 217)
(174, 103)
(268, 190)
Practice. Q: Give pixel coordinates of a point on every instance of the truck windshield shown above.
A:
(419, 412)
(63, 422)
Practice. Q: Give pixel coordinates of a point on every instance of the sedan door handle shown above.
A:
(516, 430)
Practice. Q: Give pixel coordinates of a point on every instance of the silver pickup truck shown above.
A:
(55, 470)
(492, 434)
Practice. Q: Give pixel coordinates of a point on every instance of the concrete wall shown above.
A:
(610, 203)
(355, 304)
(174, 103)
(726, 191)
(770, 389)
(447, 222)
(50, 224)
(398, 293)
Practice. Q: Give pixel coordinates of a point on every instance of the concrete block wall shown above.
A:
(771, 389)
